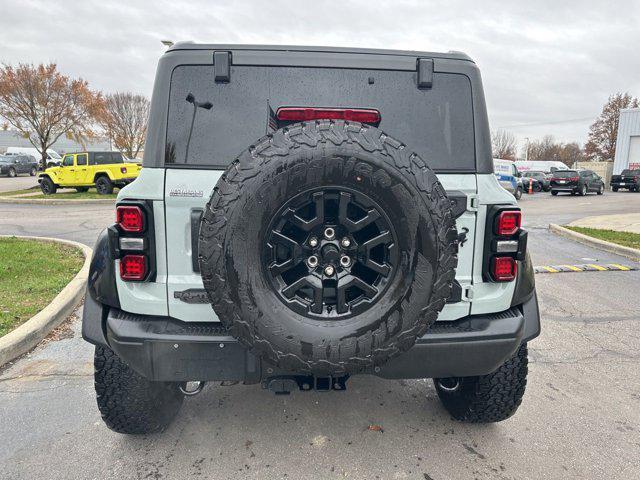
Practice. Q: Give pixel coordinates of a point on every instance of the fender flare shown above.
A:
(101, 292)
(103, 173)
(49, 176)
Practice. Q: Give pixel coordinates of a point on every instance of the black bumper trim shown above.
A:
(166, 349)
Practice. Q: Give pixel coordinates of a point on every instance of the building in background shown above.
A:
(628, 141)
(11, 138)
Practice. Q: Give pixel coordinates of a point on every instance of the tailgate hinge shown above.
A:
(473, 202)
(467, 293)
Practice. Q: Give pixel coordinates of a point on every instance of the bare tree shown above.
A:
(504, 144)
(570, 153)
(124, 116)
(603, 133)
(43, 104)
(547, 148)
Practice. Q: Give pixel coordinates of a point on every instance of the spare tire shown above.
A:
(299, 193)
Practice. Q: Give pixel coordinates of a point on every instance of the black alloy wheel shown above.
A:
(331, 253)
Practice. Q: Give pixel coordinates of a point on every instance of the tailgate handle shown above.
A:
(425, 72)
(196, 215)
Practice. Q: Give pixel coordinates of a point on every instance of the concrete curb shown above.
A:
(46, 201)
(30, 333)
(628, 252)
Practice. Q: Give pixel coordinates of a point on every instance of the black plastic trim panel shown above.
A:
(101, 284)
(167, 349)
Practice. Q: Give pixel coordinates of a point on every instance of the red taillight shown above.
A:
(133, 267)
(130, 218)
(299, 114)
(503, 269)
(508, 222)
(123, 169)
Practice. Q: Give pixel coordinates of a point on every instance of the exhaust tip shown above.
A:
(191, 389)
(448, 384)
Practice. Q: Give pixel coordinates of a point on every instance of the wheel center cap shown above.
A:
(330, 253)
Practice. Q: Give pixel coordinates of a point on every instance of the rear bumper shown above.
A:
(166, 349)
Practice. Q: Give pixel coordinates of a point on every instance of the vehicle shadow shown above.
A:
(376, 429)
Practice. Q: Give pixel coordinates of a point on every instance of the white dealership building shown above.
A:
(628, 141)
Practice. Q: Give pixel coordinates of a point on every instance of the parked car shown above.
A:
(343, 241)
(576, 182)
(628, 179)
(53, 157)
(540, 181)
(104, 170)
(508, 177)
(14, 165)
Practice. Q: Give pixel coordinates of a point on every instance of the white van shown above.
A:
(546, 166)
(508, 176)
(53, 158)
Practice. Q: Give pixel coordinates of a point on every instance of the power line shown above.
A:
(557, 122)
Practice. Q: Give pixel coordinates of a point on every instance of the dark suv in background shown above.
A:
(629, 179)
(576, 182)
(13, 165)
(540, 181)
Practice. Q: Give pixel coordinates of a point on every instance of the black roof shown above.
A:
(452, 55)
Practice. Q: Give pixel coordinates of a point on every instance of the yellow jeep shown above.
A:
(104, 170)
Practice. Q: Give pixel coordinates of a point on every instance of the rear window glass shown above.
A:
(437, 123)
(630, 172)
(565, 173)
(107, 158)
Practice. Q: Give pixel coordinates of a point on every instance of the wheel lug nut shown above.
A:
(345, 261)
(345, 242)
(313, 242)
(329, 233)
(312, 261)
(329, 270)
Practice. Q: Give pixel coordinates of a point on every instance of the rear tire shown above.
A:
(104, 186)
(12, 173)
(583, 190)
(128, 402)
(33, 172)
(554, 192)
(488, 398)
(601, 190)
(47, 186)
(615, 189)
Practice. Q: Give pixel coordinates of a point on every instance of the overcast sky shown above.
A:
(548, 66)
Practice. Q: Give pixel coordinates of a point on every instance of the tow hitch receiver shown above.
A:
(285, 384)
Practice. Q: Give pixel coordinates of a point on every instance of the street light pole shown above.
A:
(526, 149)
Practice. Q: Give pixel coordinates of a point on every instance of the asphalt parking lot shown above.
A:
(17, 183)
(580, 417)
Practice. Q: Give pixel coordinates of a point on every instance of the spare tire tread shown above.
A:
(368, 349)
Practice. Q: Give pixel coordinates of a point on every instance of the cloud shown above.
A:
(547, 66)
